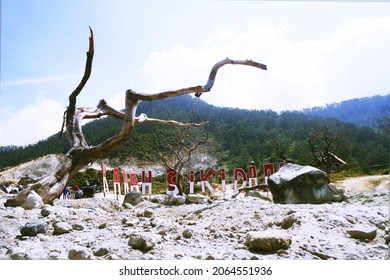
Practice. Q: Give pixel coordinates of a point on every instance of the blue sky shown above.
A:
(316, 52)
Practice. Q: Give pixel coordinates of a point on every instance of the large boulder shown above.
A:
(296, 184)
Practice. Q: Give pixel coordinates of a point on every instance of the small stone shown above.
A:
(188, 233)
(362, 232)
(133, 198)
(101, 252)
(62, 228)
(144, 241)
(46, 211)
(102, 226)
(34, 228)
(198, 199)
(148, 213)
(130, 222)
(268, 241)
(78, 227)
(289, 221)
(79, 253)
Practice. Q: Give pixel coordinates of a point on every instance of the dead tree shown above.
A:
(324, 142)
(80, 154)
(181, 152)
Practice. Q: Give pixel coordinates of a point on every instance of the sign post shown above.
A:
(239, 171)
(117, 183)
(125, 182)
(146, 182)
(204, 180)
(134, 182)
(252, 175)
(268, 169)
(105, 183)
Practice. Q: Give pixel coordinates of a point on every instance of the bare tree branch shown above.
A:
(214, 70)
(73, 126)
(143, 118)
(198, 90)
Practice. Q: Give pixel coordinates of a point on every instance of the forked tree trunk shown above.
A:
(80, 153)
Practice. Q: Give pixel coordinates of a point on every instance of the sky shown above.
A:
(317, 53)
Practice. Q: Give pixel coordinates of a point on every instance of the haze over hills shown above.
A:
(238, 136)
(367, 111)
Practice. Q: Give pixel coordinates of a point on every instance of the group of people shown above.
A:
(72, 192)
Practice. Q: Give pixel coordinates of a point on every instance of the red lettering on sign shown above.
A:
(171, 180)
(125, 178)
(252, 171)
(133, 179)
(103, 169)
(146, 180)
(117, 176)
(207, 176)
(239, 171)
(268, 169)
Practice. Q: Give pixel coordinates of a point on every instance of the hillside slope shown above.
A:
(367, 111)
(236, 137)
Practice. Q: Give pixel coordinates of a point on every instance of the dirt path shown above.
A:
(365, 185)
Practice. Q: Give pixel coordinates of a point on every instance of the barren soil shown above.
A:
(101, 227)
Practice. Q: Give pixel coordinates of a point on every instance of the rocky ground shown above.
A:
(244, 227)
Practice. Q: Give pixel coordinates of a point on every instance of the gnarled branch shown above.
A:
(73, 124)
(198, 90)
(214, 70)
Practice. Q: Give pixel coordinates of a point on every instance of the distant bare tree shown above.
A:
(324, 145)
(182, 150)
(80, 153)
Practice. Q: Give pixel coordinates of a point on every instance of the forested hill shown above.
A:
(368, 111)
(236, 136)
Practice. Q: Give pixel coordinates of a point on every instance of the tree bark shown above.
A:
(80, 153)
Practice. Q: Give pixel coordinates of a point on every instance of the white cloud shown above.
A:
(350, 63)
(32, 123)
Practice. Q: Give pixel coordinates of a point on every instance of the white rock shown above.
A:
(33, 200)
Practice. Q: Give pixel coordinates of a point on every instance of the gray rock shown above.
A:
(174, 200)
(46, 211)
(289, 221)
(188, 233)
(256, 194)
(62, 228)
(267, 241)
(129, 222)
(34, 228)
(133, 198)
(33, 201)
(144, 241)
(79, 253)
(148, 213)
(198, 199)
(296, 184)
(78, 227)
(102, 251)
(102, 226)
(362, 232)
